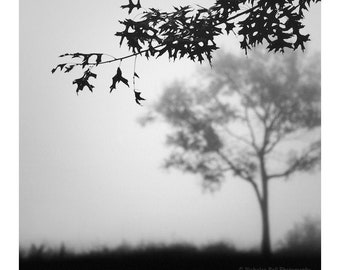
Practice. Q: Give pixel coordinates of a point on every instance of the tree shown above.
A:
(238, 118)
(190, 31)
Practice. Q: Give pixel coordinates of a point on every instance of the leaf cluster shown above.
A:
(191, 32)
(84, 81)
(89, 61)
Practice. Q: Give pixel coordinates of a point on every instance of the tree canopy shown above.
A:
(246, 108)
(191, 31)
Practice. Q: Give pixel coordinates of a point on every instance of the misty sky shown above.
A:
(90, 175)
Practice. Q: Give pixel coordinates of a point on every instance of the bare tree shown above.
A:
(239, 119)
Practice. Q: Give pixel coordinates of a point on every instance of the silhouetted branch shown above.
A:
(156, 47)
(112, 60)
(251, 129)
(238, 171)
(304, 162)
(240, 138)
(271, 144)
(242, 173)
(291, 169)
(230, 133)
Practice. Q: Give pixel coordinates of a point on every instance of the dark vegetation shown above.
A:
(305, 236)
(300, 249)
(167, 257)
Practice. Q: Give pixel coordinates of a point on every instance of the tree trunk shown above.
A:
(265, 247)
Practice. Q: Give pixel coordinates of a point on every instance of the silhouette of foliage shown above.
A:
(138, 97)
(84, 81)
(161, 256)
(118, 78)
(191, 31)
(238, 117)
(131, 6)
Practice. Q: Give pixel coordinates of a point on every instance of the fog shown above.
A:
(91, 175)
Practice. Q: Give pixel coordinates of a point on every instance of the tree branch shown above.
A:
(246, 96)
(304, 161)
(160, 45)
(287, 172)
(115, 58)
(243, 174)
(232, 134)
(236, 170)
(251, 129)
(271, 144)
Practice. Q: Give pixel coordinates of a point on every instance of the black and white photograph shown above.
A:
(170, 134)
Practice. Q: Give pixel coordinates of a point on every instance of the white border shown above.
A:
(9, 138)
(9, 135)
(330, 134)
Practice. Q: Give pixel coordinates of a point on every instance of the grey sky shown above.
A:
(90, 175)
